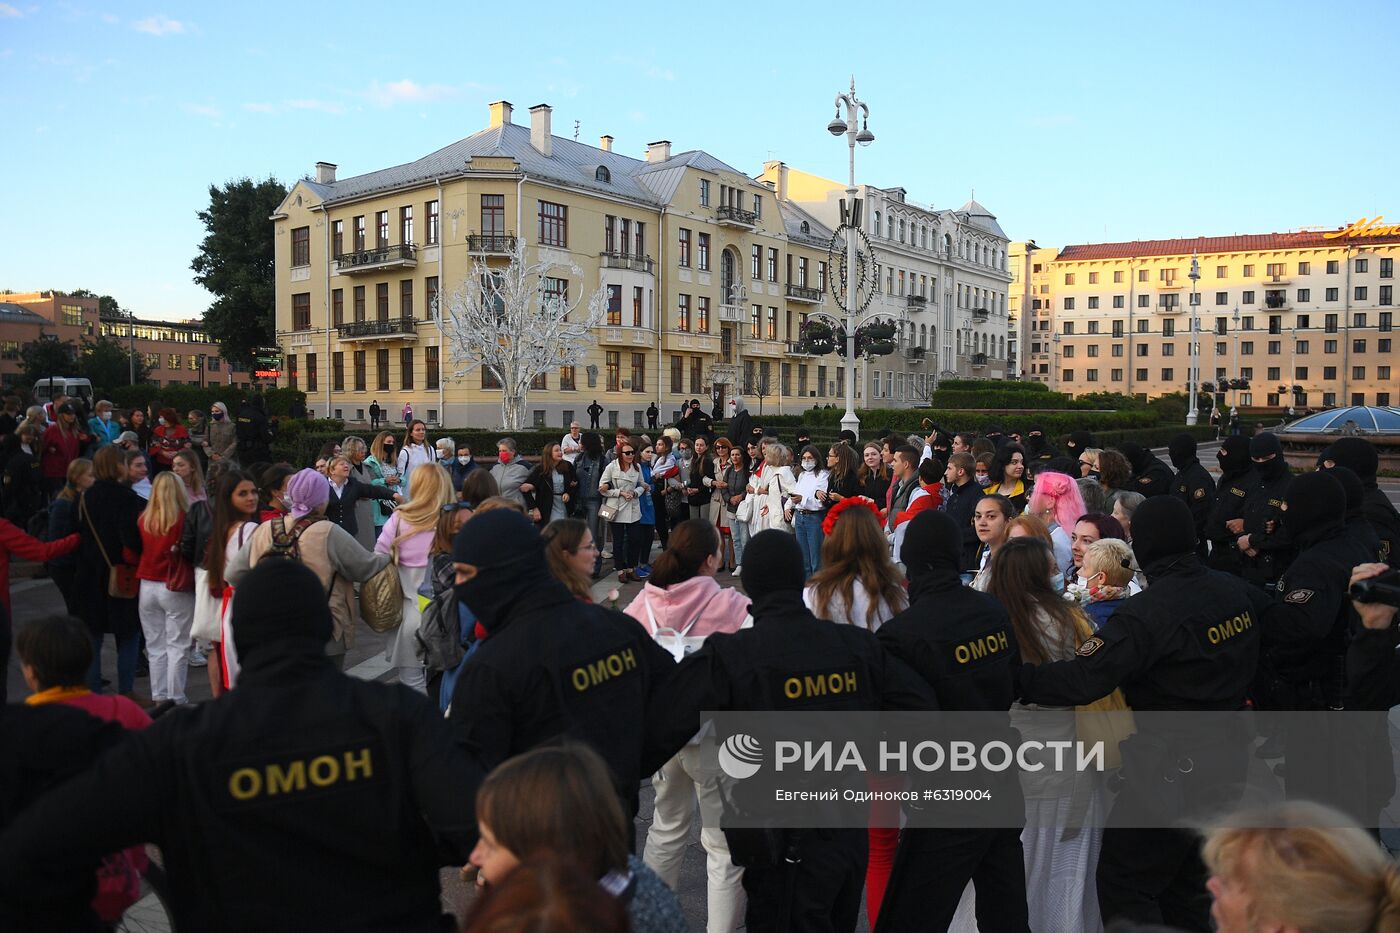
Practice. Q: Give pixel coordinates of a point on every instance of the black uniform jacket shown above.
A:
(1230, 495)
(1190, 641)
(1194, 486)
(1263, 522)
(1307, 627)
(303, 800)
(559, 667)
(1154, 479)
(1384, 518)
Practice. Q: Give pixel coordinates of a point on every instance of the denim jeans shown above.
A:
(128, 650)
(739, 531)
(590, 515)
(808, 528)
(640, 545)
(622, 533)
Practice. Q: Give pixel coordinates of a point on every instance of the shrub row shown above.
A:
(992, 385)
(185, 398)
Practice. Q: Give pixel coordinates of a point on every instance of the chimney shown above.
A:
(500, 114)
(325, 173)
(777, 173)
(659, 151)
(605, 143)
(540, 136)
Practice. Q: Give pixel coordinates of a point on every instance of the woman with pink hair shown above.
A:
(1056, 500)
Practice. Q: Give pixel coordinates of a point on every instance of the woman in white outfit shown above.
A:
(409, 532)
(774, 488)
(233, 516)
(414, 453)
(681, 595)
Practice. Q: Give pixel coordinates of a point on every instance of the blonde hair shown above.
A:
(1111, 557)
(76, 469)
(1092, 455)
(1308, 866)
(432, 489)
(497, 502)
(167, 506)
(376, 447)
(777, 455)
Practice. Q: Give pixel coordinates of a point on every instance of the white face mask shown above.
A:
(160, 421)
(106, 416)
(1082, 581)
(983, 480)
(809, 464)
(464, 460)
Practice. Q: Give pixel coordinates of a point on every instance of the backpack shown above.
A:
(439, 636)
(288, 544)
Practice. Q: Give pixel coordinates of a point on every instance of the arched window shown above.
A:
(889, 228)
(923, 237)
(901, 231)
(877, 223)
(923, 336)
(806, 227)
(948, 244)
(602, 174)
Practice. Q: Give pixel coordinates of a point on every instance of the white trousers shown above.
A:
(166, 618)
(695, 771)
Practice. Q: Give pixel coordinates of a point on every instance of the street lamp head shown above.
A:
(865, 137)
(837, 126)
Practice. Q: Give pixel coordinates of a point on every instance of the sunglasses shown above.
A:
(628, 453)
(457, 506)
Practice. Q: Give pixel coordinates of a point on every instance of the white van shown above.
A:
(71, 386)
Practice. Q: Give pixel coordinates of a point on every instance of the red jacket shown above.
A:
(59, 450)
(925, 503)
(13, 540)
(155, 550)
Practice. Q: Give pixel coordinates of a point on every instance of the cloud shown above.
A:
(9, 12)
(204, 110)
(160, 25)
(406, 91)
(1052, 121)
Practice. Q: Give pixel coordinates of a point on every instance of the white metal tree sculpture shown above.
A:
(512, 322)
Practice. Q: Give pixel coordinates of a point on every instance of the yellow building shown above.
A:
(708, 278)
(1312, 309)
(1029, 303)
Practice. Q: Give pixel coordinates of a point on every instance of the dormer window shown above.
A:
(806, 227)
(603, 175)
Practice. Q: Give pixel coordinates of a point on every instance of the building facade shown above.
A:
(709, 276)
(1306, 317)
(175, 352)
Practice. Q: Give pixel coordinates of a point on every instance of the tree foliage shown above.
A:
(107, 364)
(235, 263)
(107, 306)
(43, 358)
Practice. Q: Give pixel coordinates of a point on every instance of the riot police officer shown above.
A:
(252, 432)
(305, 799)
(1192, 485)
(937, 636)
(1225, 523)
(805, 879)
(1190, 641)
(1359, 455)
(1151, 476)
(1264, 540)
(1357, 527)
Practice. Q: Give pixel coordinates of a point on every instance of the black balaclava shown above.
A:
(1183, 451)
(1169, 532)
(931, 552)
(1317, 506)
(773, 574)
(1351, 486)
(1080, 441)
(280, 602)
(1358, 455)
(1137, 455)
(1261, 445)
(1035, 443)
(507, 549)
(1235, 460)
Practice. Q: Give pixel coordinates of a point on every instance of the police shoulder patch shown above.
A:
(1238, 491)
(1200, 493)
(1298, 597)
(1089, 647)
(1144, 480)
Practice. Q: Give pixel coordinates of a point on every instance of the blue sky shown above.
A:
(1071, 123)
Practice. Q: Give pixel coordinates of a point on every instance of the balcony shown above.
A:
(804, 293)
(798, 348)
(916, 303)
(979, 315)
(727, 216)
(360, 261)
(1276, 301)
(914, 353)
(617, 335)
(627, 261)
(754, 346)
(1169, 284)
(687, 342)
(491, 244)
(979, 360)
(734, 314)
(397, 328)
(1276, 280)
(1172, 307)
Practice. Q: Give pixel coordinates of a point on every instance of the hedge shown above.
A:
(990, 385)
(184, 398)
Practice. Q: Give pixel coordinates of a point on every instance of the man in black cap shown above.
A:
(1263, 538)
(993, 434)
(1359, 455)
(304, 799)
(1192, 485)
(1151, 476)
(1190, 641)
(1225, 523)
(817, 882)
(550, 665)
(932, 636)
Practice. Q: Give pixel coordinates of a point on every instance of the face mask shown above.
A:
(106, 416)
(218, 416)
(464, 460)
(388, 444)
(1057, 583)
(160, 421)
(504, 456)
(685, 454)
(809, 464)
(1082, 581)
(984, 480)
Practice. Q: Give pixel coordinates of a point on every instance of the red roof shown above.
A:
(1207, 245)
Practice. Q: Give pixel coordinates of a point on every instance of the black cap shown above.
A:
(280, 599)
(1356, 454)
(1162, 528)
(67, 408)
(932, 543)
(772, 563)
(1315, 501)
(1262, 445)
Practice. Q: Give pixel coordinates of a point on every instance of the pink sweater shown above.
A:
(719, 609)
(413, 549)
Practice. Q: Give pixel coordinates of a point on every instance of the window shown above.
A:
(704, 192)
(1273, 374)
(337, 306)
(381, 302)
(703, 255)
(1385, 296)
(1387, 268)
(1221, 348)
(430, 368)
(1247, 298)
(1329, 346)
(1249, 271)
(1358, 372)
(1117, 349)
(1168, 349)
(1118, 301)
(614, 305)
(1117, 328)
(682, 316)
(1331, 294)
(405, 367)
(493, 215)
(430, 296)
(1067, 375)
(638, 305)
(292, 371)
(677, 374)
(1386, 321)
(566, 380)
(406, 298)
(301, 246)
(1331, 324)
(488, 379)
(540, 382)
(1069, 304)
(772, 329)
(1195, 298)
(554, 224)
(1068, 352)
(406, 224)
(1144, 301)
(1383, 345)
(1333, 267)
(1168, 374)
(1383, 373)
(1304, 268)
(1168, 328)
(337, 238)
(1247, 348)
(338, 372)
(381, 365)
(1329, 372)
(639, 239)
(758, 206)
(1143, 327)
(381, 231)
(1116, 375)
(684, 248)
(359, 224)
(301, 311)
(639, 372)
(1383, 399)
(1361, 265)
(434, 222)
(1222, 272)
(1091, 375)
(1093, 303)
(755, 321)
(613, 366)
(359, 303)
(1093, 349)
(1304, 294)
(1142, 349)
(1359, 292)
(702, 316)
(1140, 375)
(772, 264)
(1093, 278)
(1222, 298)
(554, 291)
(359, 370)
(1358, 320)
(1093, 327)
(756, 270)
(1069, 327)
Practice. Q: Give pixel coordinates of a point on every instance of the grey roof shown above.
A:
(794, 216)
(19, 314)
(571, 163)
(981, 218)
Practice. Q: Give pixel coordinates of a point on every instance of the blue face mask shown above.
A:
(1057, 583)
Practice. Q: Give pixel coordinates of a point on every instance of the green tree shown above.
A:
(235, 263)
(107, 306)
(106, 363)
(44, 358)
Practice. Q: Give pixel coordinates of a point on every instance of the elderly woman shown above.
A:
(104, 428)
(511, 473)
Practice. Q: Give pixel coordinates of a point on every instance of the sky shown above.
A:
(1071, 122)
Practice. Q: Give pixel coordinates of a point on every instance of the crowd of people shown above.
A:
(524, 715)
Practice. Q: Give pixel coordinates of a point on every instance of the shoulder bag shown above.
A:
(381, 596)
(608, 511)
(121, 578)
(179, 574)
